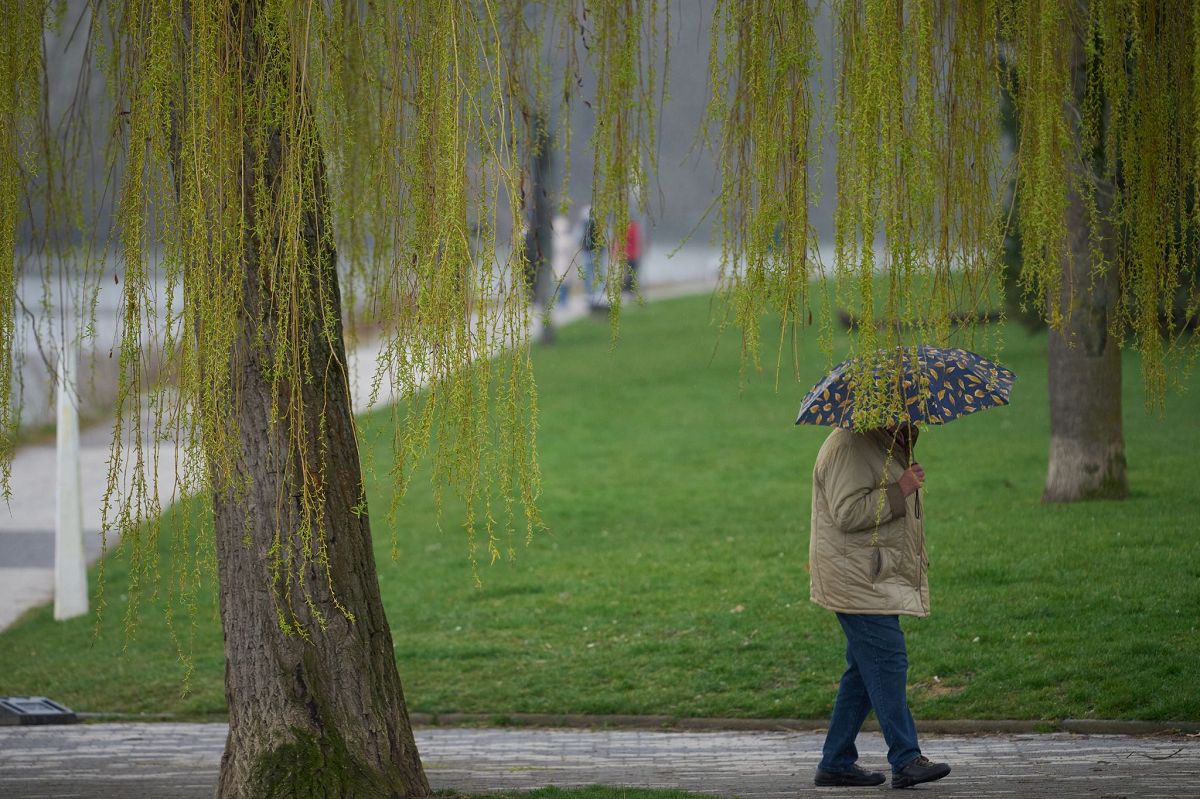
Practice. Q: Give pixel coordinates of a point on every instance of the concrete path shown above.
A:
(27, 524)
(181, 761)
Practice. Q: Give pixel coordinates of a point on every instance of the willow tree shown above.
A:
(266, 146)
(275, 152)
(914, 114)
(1110, 140)
(1107, 200)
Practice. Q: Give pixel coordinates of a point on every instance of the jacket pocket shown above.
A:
(876, 563)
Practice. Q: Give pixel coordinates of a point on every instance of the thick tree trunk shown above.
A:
(1087, 445)
(325, 716)
(322, 717)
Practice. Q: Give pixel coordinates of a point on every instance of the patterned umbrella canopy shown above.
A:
(940, 384)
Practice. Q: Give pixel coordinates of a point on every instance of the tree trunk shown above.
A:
(1087, 445)
(322, 717)
(539, 237)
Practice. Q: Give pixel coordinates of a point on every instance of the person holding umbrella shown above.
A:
(867, 553)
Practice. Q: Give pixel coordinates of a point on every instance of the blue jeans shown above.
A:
(876, 678)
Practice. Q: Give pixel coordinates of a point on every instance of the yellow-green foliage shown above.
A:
(917, 121)
(1041, 42)
(624, 35)
(20, 104)
(404, 129)
(761, 63)
(915, 112)
(400, 133)
(1140, 109)
(1113, 119)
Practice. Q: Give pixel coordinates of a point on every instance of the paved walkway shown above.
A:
(181, 761)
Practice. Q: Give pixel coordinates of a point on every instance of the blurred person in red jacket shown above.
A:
(634, 245)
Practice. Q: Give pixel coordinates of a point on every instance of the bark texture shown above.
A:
(1087, 444)
(323, 717)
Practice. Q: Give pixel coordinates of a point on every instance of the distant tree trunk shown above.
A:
(326, 716)
(1087, 445)
(538, 238)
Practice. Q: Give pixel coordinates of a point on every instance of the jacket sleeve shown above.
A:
(856, 499)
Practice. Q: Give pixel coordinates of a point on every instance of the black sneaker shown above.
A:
(920, 770)
(855, 777)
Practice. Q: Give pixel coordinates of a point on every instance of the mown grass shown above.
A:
(672, 577)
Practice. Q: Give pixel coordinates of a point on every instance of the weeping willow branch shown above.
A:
(624, 37)
(1119, 128)
(414, 110)
(20, 103)
(417, 115)
(761, 64)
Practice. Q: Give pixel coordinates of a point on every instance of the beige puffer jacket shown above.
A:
(867, 545)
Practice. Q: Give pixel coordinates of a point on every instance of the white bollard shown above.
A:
(561, 248)
(70, 559)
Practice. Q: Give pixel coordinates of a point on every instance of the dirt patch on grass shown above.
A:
(933, 688)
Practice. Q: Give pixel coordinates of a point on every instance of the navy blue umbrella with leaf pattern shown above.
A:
(940, 384)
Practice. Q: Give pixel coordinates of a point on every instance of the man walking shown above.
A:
(868, 562)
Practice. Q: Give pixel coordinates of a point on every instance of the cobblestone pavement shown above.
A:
(180, 761)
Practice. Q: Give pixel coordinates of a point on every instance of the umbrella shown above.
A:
(939, 384)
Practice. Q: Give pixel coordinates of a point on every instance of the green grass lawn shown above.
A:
(672, 577)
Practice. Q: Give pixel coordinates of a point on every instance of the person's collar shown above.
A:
(889, 443)
(881, 437)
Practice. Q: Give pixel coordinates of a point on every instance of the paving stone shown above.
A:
(181, 761)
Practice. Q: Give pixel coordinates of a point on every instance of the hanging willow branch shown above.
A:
(762, 59)
(412, 107)
(390, 140)
(1040, 35)
(916, 123)
(20, 105)
(1118, 125)
(1140, 111)
(624, 42)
